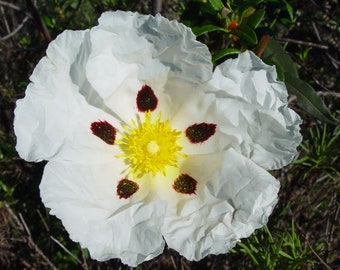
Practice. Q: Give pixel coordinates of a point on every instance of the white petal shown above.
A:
(84, 198)
(53, 120)
(63, 51)
(173, 43)
(199, 108)
(82, 146)
(43, 115)
(257, 118)
(129, 50)
(231, 203)
(114, 80)
(57, 126)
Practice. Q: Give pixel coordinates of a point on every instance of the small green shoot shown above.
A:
(320, 151)
(283, 250)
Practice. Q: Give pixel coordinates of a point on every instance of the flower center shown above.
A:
(150, 146)
(153, 147)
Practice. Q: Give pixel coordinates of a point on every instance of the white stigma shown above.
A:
(152, 147)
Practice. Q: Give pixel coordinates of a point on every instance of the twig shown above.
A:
(37, 18)
(25, 225)
(3, 3)
(5, 19)
(330, 93)
(17, 222)
(26, 264)
(305, 43)
(316, 31)
(65, 249)
(156, 6)
(16, 30)
(333, 60)
(314, 252)
(22, 226)
(43, 221)
(173, 261)
(85, 266)
(35, 247)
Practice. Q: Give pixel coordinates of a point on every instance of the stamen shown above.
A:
(150, 146)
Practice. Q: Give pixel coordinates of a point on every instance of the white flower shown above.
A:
(145, 145)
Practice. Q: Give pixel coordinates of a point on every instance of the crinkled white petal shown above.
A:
(257, 118)
(55, 124)
(199, 108)
(43, 115)
(81, 145)
(118, 80)
(173, 43)
(129, 50)
(84, 198)
(236, 197)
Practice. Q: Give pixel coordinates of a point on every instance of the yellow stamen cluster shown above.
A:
(150, 146)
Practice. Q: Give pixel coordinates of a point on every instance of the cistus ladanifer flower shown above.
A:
(147, 145)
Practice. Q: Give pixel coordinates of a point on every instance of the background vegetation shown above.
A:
(303, 232)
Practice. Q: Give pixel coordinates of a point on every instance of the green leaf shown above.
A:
(247, 250)
(256, 18)
(200, 30)
(307, 99)
(216, 4)
(290, 10)
(245, 33)
(247, 12)
(275, 54)
(50, 22)
(285, 255)
(224, 52)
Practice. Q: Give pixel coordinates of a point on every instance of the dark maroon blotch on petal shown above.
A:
(126, 188)
(105, 131)
(146, 99)
(185, 184)
(198, 133)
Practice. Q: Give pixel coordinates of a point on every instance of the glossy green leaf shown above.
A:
(256, 18)
(225, 52)
(216, 4)
(200, 30)
(245, 33)
(307, 99)
(275, 54)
